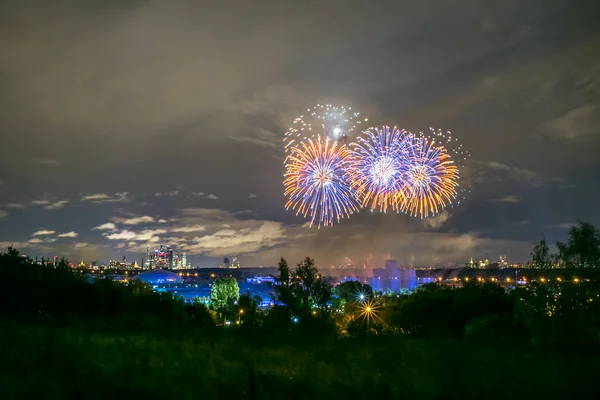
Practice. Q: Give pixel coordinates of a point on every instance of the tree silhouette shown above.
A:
(302, 289)
(350, 291)
(540, 256)
(583, 246)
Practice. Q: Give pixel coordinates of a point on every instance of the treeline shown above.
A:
(581, 250)
(60, 295)
(544, 311)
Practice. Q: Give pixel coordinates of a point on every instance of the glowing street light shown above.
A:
(368, 311)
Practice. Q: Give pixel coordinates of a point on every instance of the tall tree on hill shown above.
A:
(540, 256)
(302, 289)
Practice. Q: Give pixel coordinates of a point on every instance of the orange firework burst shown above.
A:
(430, 179)
(316, 183)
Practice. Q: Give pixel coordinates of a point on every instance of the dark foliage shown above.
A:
(64, 337)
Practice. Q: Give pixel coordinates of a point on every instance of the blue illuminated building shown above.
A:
(157, 277)
(390, 278)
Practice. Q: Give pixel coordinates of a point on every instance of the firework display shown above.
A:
(457, 153)
(337, 123)
(316, 181)
(430, 179)
(379, 160)
(327, 179)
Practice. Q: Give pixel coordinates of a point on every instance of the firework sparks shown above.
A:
(378, 163)
(457, 153)
(431, 179)
(316, 183)
(325, 120)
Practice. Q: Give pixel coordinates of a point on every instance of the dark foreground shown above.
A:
(74, 363)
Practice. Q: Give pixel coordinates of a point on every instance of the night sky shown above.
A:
(125, 123)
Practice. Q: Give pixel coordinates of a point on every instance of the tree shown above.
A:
(540, 256)
(284, 290)
(302, 289)
(583, 246)
(353, 291)
(224, 292)
(248, 309)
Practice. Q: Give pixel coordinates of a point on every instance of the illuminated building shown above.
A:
(503, 263)
(393, 278)
(164, 257)
(471, 264)
(391, 269)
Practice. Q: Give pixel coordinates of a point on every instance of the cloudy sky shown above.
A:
(132, 122)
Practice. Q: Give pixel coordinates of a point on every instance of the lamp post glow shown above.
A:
(368, 310)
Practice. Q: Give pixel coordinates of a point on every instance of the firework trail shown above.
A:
(325, 120)
(316, 183)
(379, 160)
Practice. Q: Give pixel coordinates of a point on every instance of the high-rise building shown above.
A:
(408, 278)
(147, 264)
(184, 260)
(170, 259)
(161, 258)
(391, 267)
(393, 278)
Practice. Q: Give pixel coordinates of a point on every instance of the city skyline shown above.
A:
(139, 124)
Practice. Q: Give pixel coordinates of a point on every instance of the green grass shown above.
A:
(75, 363)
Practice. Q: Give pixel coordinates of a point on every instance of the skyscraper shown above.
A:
(170, 259)
(391, 267)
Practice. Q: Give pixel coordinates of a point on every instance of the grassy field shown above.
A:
(76, 363)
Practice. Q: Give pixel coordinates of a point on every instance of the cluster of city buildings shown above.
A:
(164, 257)
(486, 264)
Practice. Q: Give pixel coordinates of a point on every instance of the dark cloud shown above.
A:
(174, 113)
